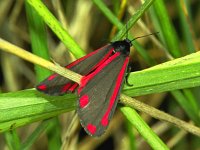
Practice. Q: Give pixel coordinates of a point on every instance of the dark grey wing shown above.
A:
(58, 85)
(99, 93)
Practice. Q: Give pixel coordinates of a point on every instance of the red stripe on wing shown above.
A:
(88, 55)
(51, 77)
(104, 120)
(73, 87)
(85, 79)
(65, 87)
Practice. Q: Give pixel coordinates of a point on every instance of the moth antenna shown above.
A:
(144, 36)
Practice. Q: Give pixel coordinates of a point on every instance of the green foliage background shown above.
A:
(52, 29)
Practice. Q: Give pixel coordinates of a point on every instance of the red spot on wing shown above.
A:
(42, 87)
(52, 77)
(91, 128)
(104, 120)
(83, 101)
(65, 87)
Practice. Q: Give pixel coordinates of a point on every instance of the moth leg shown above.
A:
(127, 75)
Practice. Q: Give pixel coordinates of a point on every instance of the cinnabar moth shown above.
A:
(103, 73)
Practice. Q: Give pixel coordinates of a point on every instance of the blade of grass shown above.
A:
(36, 106)
(131, 135)
(143, 53)
(38, 40)
(23, 107)
(167, 29)
(128, 101)
(39, 47)
(54, 134)
(186, 32)
(123, 28)
(106, 11)
(12, 140)
(180, 98)
(56, 27)
(192, 99)
(165, 77)
(150, 137)
(13, 49)
(143, 8)
(156, 24)
(34, 136)
(171, 40)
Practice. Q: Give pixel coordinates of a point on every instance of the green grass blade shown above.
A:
(167, 30)
(169, 37)
(138, 14)
(56, 27)
(151, 138)
(131, 135)
(106, 11)
(123, 28)
(36, 133)
(39, 47)
(186, 32)
(54, 134)
(177, 74)
(183, 102)
(192, 99)
(24, 107)
(143, 53)
(12, 140)
(38, 40)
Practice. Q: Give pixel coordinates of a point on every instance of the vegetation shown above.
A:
(165, 73)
